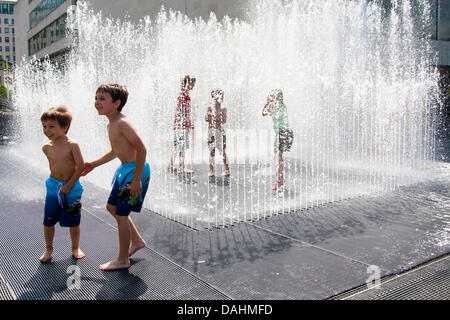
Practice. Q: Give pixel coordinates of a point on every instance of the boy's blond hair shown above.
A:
(60, 114)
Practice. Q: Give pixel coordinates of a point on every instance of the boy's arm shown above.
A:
(208, 115)
(44, 149)
(224, 117)
(265, 110)
(79, 163)
(141, 153)
(89, 166)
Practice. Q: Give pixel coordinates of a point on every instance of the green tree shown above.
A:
(3, 92)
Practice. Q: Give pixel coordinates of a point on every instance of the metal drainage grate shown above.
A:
(428, 281)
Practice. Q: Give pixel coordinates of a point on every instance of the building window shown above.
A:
(1, 49)
(6, 39)
(6, 30)
(12, 30)
(444, 20)
(42, 10)
(12, 21)
(1, 57)
(11, 9)
(8, 58)
(6, 21)
(52, 33)
(7, 49)
(5, 8)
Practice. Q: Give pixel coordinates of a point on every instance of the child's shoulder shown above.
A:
(72, 142)
(124, 123)
(46, 146)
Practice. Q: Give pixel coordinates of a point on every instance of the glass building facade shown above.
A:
(7, 8)
(443, 20)
(7, 34)
(43, 9)
(50, 34)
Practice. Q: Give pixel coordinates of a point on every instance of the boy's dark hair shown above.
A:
(117, 92)
(60, 114)
(187, 79)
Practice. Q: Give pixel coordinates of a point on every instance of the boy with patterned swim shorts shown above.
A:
(132, 177)
(63, 199)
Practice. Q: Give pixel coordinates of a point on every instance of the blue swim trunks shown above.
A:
(65, 208)
(120, 196)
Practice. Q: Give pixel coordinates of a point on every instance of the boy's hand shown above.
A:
(65, 189)
(88, 167)
(136, 187)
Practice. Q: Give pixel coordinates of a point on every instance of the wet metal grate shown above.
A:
(428, 281)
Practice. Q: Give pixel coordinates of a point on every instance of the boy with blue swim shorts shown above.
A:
(63, 199)
(121, 191)
(132, 178)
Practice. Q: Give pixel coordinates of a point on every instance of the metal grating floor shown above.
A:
(429, 281)
(151, 275)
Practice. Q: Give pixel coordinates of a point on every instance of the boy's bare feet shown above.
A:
(78, 254)
(114, 265)
(46, 255)
(187, 171)
(136, 246)
(226, 173)
(171, 168)
(275, 186)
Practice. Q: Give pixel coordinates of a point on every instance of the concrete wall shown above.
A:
(21, 25)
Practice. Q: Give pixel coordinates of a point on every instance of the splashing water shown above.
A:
(357, 80)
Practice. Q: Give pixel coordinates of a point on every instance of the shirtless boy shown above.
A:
(216, 117)
(132, 177)
(63, 199)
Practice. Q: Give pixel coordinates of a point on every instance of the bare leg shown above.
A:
(172, 159)
(275, 185)
(181, 155)
(226, 173)
(212, 155)
(49, 234)
(137, 242)
(75, 237)
(280, 170)
(226, 164)
(182, 168)
(122, 261)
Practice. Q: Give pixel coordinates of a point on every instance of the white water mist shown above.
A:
(357, 79)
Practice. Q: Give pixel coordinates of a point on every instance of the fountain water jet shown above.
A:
(357, 79)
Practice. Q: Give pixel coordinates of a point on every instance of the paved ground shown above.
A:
(312, 254)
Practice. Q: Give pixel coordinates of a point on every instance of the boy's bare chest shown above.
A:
(115, 137)
(218, 116)
(60, 153)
